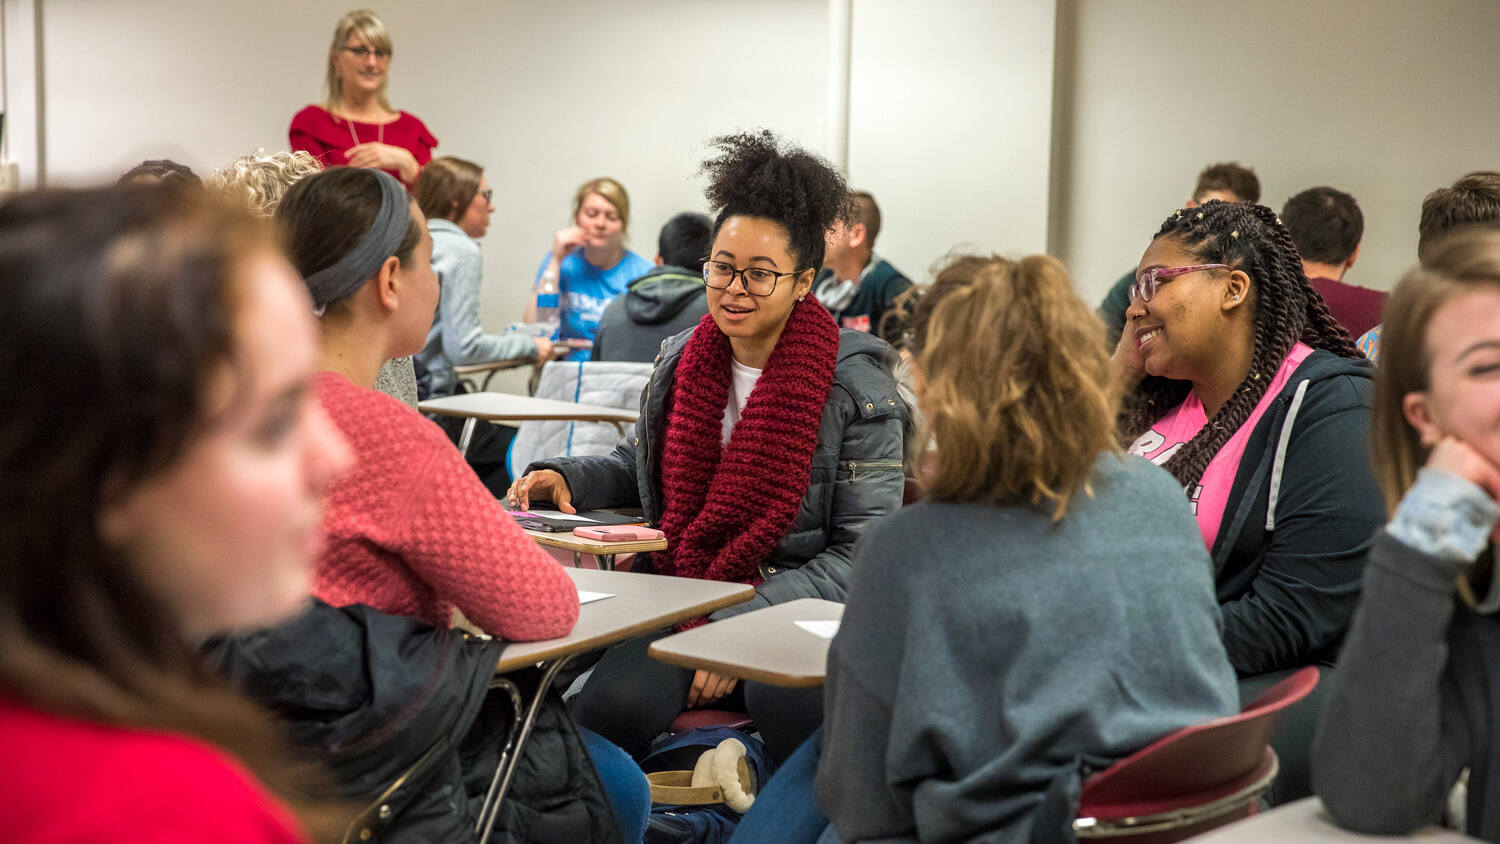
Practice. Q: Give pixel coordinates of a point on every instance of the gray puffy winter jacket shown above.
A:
(856, 471)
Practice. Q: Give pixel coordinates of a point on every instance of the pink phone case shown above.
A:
(618, 533)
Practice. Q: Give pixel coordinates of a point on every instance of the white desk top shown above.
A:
(506, 406)
(764, 645)
(640, 603)
(1306, 820)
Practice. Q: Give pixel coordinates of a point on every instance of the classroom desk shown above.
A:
(470, 372)
(505, 407)
(640, 603)
(763, 645)
(1307, 821)
(604, 552)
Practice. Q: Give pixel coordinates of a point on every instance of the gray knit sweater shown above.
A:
(990, 657)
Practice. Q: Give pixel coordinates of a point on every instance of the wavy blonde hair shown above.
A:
(1016, 389)
(368, 26)
(261, 179)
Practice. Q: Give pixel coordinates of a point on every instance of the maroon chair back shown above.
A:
(1196, 766)
(911, 492)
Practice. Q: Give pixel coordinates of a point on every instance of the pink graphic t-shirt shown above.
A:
(1172, 432)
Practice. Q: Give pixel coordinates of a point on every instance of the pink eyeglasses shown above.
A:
(1146, 284)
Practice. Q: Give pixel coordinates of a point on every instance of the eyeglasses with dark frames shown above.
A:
(758, 281)
(363, 53)
(487, 193)
(1146, 284)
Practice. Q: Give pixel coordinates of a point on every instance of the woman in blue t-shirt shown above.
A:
(589, 260)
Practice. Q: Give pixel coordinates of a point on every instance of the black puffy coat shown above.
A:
(402, 715)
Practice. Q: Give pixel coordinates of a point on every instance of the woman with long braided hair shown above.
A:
(1244, 387)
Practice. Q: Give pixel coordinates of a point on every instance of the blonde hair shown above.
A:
(613, 193)
(260, 179)
(1016, 388)
(369, 27)
(1454, 265)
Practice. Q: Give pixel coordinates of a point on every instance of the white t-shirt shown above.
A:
(741, 381)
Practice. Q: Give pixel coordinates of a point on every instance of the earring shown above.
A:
(802, 297)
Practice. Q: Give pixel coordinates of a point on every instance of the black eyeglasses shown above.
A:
(363, 53)
(758, 281)
(487, 193)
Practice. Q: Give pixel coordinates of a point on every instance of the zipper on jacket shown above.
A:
(646, 428)
(871, 464)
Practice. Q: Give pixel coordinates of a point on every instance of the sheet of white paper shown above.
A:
(558, 516)
(821, 629)
(584, 596)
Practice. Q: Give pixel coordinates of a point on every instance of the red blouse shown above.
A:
(328, 138)
(68, 780)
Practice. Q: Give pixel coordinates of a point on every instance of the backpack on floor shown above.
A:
(695, 777)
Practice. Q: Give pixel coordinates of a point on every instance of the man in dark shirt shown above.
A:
(1327, 225)
(856, 285)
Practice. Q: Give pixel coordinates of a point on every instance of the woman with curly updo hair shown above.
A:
(768, 439)
(1245, 388)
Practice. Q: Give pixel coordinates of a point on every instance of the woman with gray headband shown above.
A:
(411, 530)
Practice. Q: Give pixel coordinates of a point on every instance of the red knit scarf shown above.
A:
(726, 506)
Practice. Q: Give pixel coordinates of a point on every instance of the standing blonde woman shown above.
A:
(356, 125)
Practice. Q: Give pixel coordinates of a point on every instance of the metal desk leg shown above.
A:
(507, 767)
(577, 559)
(465, 435)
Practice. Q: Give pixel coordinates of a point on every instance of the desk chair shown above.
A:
(1193, 780)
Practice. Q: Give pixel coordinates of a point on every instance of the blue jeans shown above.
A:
(624, 784)
(784, 811)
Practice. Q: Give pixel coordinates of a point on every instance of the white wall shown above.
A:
(1384, 99)
(960, 110)
(950, 124)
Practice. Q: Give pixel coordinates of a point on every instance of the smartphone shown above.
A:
(618, 533)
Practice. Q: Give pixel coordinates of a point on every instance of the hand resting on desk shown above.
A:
(543, 485)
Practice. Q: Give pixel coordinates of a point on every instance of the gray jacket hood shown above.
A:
(661, 294)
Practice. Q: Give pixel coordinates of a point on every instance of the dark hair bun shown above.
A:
(756, 175)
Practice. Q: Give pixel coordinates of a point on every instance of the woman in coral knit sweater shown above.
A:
(173, 493)
(767, 441)
(411, 530)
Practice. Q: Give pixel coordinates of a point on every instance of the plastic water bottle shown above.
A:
(548, 310)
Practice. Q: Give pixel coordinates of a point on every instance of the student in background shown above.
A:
(1472, 201)
(1226, 182)
(669, 299)
(1244, 387)
(356, 125)
(455, 197)
(1326, 225)
(857, 286)
(589, 261)
(160, 171)
(260, 180)
(179, 498)
(780, 443)
(411, 530)
(1416, 698)
(934, 733)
